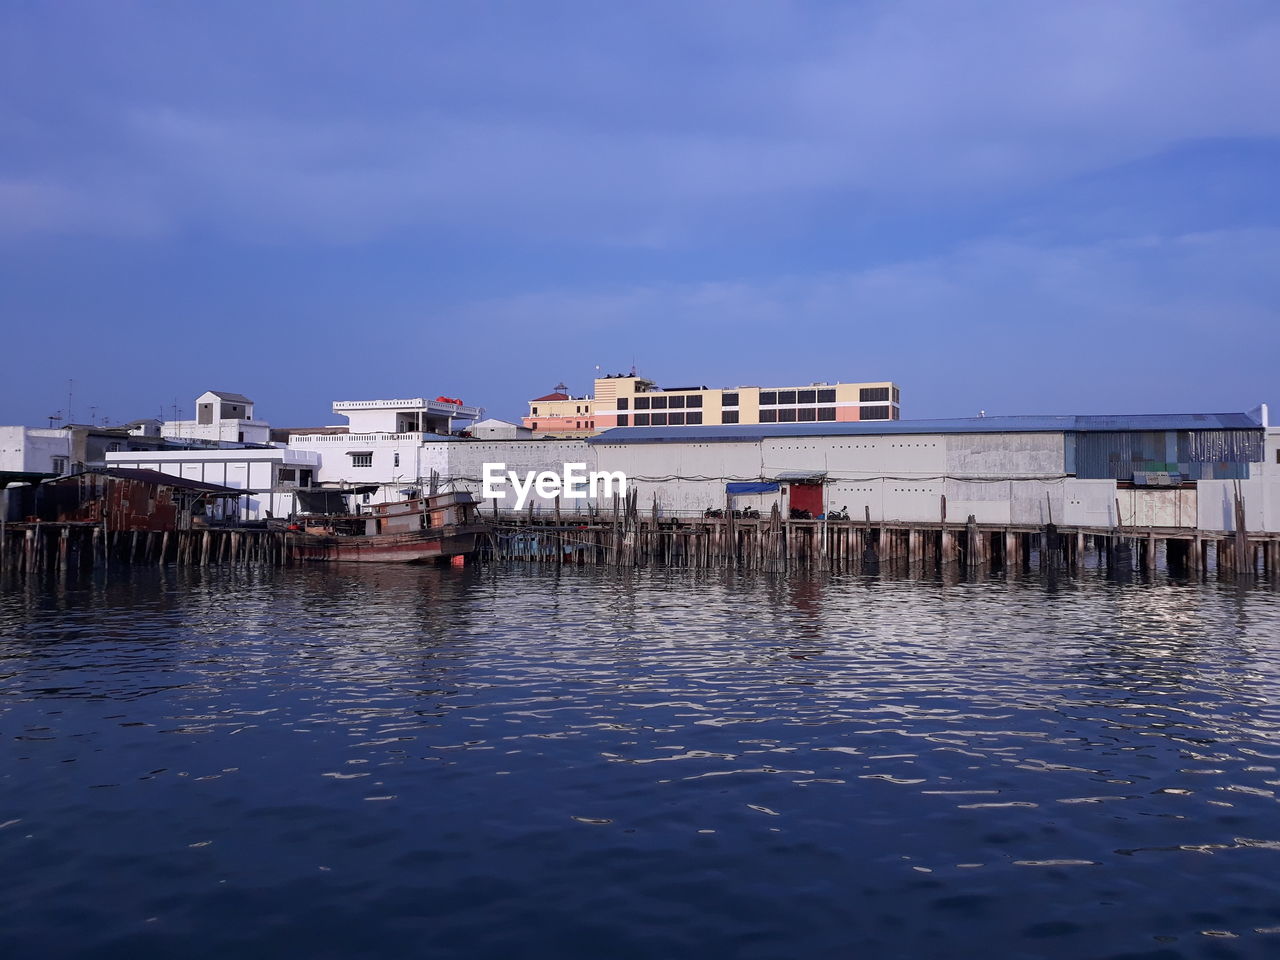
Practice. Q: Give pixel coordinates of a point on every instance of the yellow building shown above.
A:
(628, 400)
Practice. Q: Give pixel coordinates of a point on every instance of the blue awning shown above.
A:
(750, 487)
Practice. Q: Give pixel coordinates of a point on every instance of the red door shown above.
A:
(806, 496)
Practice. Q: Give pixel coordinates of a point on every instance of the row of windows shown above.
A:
(678, 402)
(802, 415)
(579, 408)
(693, 417)
(878, 395)
(769, 398)
(875, 413)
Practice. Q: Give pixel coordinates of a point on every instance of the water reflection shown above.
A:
(571, 762)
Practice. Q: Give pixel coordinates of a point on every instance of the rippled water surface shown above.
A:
(597, 764)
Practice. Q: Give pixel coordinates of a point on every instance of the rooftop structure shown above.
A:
(220, 416)
(416, 415)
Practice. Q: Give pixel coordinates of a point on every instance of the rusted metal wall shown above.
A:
(125, 504)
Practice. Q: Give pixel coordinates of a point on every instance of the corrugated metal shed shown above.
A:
(1192, 454)
(749, 433)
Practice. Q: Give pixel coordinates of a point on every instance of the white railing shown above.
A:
(417, 403)
(358, 437)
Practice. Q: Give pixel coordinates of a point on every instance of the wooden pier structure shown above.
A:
(64, 547)
(626, 537)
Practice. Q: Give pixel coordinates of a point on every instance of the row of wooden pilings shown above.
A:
(776, 544)
(51, 547)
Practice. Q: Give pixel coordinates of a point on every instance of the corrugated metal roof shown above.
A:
(160, 479)
(748, 433)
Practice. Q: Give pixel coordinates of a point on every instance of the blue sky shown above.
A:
(1020, 207)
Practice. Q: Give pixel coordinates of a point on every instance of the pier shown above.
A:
(628, 537)
(66, 547)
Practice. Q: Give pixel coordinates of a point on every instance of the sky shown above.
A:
(1019, 207)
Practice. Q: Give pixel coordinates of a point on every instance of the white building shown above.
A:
(492, 429)
(220, 416)
(1138, 471)
(269, 476)
(440, 416)
(395, 445)
(390, 451)
(34, 450)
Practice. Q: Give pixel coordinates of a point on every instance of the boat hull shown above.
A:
(419, 546)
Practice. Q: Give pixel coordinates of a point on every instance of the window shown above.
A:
(533, 412)
(693, 417)
(659, 419)
(676, 403)
(874, 395)
(622, 419)
(304, 478)
(768, 398)
(897, 396)
(786, 416)
(288, 476)
(730, 416)
(768, 416)
(113, 446)
(642, 419)
(729, 400)
(807, 413)
(806, 396)
(694, 401)
(59, 465)
(659, 403)
(642, 403)
(395, 459)
(622, 403)
(826, 413)
(676, 419)
(362, 459)
(826, 396)
(786, 396)
(874, 413)
(533, 425)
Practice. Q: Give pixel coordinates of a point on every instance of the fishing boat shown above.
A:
(439, 527)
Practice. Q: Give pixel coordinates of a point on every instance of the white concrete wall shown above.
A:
(1005, 455)
(465, 466)
(337, 465)
(1089, 503)
(253, 431)
(1216, 503)
(32, 449)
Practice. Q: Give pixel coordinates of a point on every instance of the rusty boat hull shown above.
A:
(417, 546)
